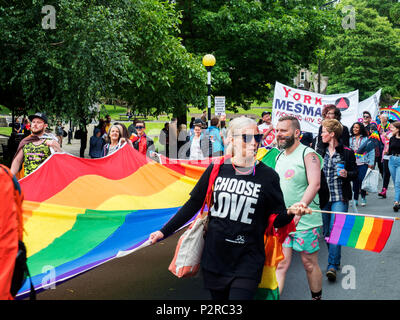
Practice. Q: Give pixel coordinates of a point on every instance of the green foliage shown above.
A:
(386, 8)
(125, 49)
(365, 58)
(255, 42)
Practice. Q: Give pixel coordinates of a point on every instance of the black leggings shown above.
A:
(386, 174)
(229, 287)
(233, 294)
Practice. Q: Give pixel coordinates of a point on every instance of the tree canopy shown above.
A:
(125, 49)
(366, 57)
(255, 42)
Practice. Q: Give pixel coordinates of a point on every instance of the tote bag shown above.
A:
(188, 252)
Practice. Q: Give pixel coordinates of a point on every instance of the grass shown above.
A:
(256, 109)
(6, 131)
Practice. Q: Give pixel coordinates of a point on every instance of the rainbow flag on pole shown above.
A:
(361, 232)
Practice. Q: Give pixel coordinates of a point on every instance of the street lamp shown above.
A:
(209, 63)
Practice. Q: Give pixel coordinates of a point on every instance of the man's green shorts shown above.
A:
(307, 240)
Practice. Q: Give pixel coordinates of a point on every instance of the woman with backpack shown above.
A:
(246, 192)
(340, 169)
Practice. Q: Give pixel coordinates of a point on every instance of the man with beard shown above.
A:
(299, 168)
(36, 148)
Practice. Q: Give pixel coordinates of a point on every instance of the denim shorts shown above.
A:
(307, 240)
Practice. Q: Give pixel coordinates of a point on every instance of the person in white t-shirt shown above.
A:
(267, 129)
(199, 147)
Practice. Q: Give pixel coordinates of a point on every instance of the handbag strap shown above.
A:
(214, 173)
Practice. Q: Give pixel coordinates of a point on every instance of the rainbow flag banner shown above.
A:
(80, 213)
(361, 232)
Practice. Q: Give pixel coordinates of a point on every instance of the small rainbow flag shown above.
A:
(361, 232)
(374, 135)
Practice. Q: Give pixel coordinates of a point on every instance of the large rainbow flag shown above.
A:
(361, 232)
(80, 213)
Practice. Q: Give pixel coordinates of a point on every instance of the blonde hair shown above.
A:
(235, 125)
(333, 125)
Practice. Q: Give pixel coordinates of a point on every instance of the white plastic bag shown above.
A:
(370, 181)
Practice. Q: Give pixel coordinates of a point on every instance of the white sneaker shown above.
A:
(363, 202)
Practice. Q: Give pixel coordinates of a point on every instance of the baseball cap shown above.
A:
(39, 115)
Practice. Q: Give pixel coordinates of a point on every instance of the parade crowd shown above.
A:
(247, 192)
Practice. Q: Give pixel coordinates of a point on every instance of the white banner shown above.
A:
(371, 105)
(307, 106)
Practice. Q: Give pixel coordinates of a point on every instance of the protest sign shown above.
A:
(307, 106)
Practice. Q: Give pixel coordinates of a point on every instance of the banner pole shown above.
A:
(356, 214)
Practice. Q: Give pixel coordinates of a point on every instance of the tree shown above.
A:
(255, 42)
(387, 8)
(125, 49)
(366, 57)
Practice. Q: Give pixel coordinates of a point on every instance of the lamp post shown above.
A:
(209, 63)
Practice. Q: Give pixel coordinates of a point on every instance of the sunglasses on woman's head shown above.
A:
(249, 137)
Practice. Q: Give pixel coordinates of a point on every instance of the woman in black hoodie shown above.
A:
(96, 144)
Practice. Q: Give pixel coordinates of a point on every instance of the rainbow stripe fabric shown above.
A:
(374, 135)
(80, 213)
(361, 232)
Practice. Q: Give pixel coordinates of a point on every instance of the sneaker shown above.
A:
(363, 202)
(356, 203)
(331, 275)
(396, 207)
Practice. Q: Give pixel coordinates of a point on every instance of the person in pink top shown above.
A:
(385, 133)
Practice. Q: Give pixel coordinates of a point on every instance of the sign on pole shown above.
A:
(219, 106)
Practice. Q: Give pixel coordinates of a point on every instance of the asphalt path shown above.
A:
(144, 275)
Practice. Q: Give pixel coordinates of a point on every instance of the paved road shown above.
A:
(144, 274)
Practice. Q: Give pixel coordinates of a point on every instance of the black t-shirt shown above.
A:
(394, 146)
(234, 242)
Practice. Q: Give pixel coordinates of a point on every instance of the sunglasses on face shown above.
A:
(139, 127)
(366, 117)
(249, 137)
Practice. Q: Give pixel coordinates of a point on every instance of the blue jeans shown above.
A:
(362, 170)
(394, 167)
(328, 219)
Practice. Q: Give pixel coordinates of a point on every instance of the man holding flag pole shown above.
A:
(299, 168)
